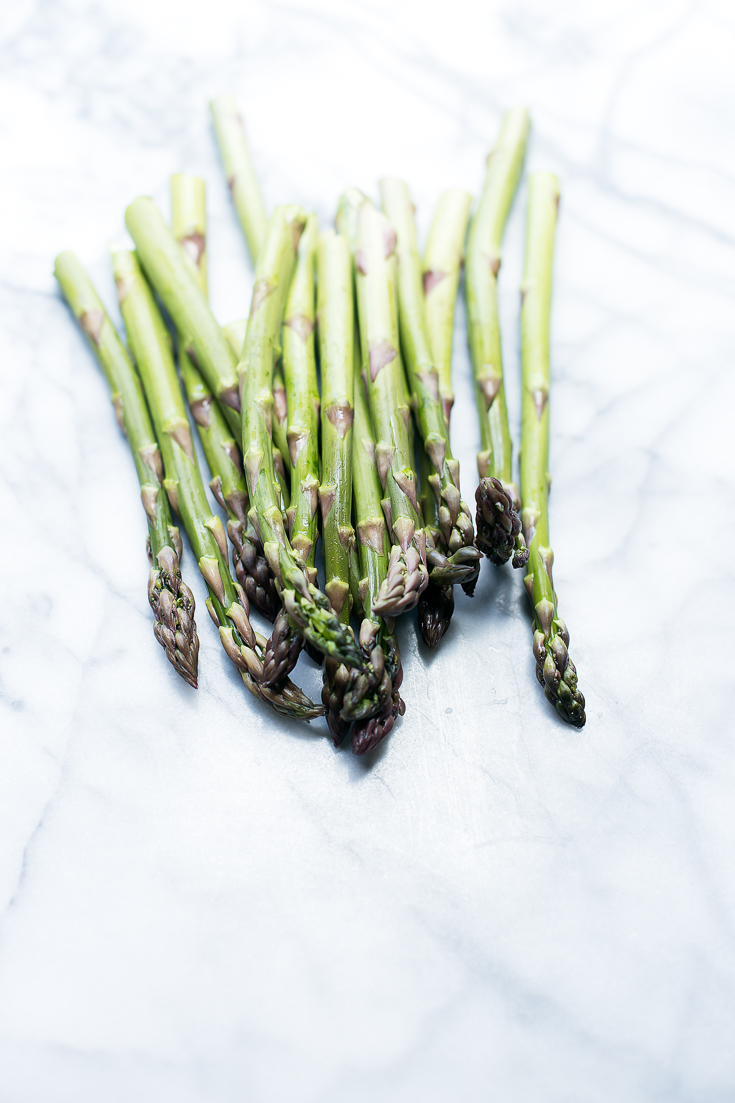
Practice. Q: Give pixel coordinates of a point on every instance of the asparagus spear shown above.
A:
(369, 696)
(347, 219)
(308, 608)
(302, 400)
(455, 522)
(227, 602)
(177, 286)
(336, 355)
(246, 194)
(240, 173)
(235, 333)
(188, 222)
(442, 261)
(280, 421)
(554, 669)
(375, 274)
(372, 698)
(170, 598)
(189, 225)
(436, 604)
(498, 502)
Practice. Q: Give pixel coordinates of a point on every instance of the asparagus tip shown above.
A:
(498, 524)
(435, 609)
(173, 608)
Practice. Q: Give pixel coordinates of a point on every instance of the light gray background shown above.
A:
(200, 904)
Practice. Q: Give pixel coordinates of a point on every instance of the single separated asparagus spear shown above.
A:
(308, 608)
(227, 602)
(302, 400)
(177, 287)
(170, 598)
(460, 558)
(375, 278)
(335, 310)
(240, 173)
(189, 225)
(442, 262)
(498, 502)
(554, 669)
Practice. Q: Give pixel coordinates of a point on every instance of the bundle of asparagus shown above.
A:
(391, 541)
(227, 602)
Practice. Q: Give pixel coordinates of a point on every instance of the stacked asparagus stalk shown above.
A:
(367, 463)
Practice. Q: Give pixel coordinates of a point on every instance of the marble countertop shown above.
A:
(201, 905)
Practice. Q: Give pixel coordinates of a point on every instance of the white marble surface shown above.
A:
(198, 904)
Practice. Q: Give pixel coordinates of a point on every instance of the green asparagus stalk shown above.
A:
(227, 602)
(308, 608)
(177, 286)
(235, 333)
(170, 598)
(347, 219)
(229, 488)
(498, 502)
(240, 173)
(189, 224)
(554, 669)
(228, 484)
(246, 195)
(372, 533)
(455, 522)
(369, 696)
(375, 275)
(251, 566)
(302, 400)
(442, 262)
(373, 699)
(436, 604)
(280, 420)
(335, 309)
